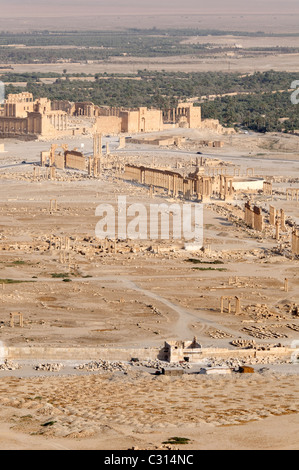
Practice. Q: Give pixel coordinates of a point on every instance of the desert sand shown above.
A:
(140, 298)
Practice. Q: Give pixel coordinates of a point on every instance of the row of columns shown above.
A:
(254, 217)
(229, 302)
(174, 183)
(59, 121)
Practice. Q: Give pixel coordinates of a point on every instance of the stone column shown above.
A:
(52, 172)
(286, 285)
(90, 166)
(272, 217)
(222, 304)
(282, 220)
(238, 305)
(277, 230)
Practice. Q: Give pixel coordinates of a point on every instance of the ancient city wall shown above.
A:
(48, 353)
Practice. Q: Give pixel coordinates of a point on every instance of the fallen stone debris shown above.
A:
(261, 311)
(108, 366)
(243, 343)
(293, 327)
(160, 365)
(251, 344)
(218, 334)
(263, 332)
(235, 363)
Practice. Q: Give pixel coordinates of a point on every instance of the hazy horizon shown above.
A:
(44, 8)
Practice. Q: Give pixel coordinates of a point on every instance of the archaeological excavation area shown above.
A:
(142, 323)
(74, 290)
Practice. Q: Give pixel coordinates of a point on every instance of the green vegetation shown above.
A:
(177, 441)
(151, 87)
(53, 47)
(60, 275)
(266, 112)
(264, 109)
(211, 269)
(12, 281)
(58, 46)
(49, 423)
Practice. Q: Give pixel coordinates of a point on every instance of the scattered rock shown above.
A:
(49, 367)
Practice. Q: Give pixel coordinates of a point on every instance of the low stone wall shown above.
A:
(247, 184)
(283, 353)
(122, 354)
(48, 353)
